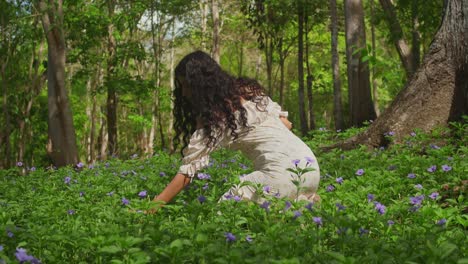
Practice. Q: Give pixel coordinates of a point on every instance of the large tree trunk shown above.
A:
(337, 102)
(416, 36)
(300, 69)
(62, 139)
(438, 91)
(401, 45)
(111, 91)
(360, 101)
(215, 49)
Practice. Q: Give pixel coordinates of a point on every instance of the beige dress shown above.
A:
(270, 145)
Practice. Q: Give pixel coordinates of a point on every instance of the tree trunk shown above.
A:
(300, 69)
(438, 91)
(215, 51)
(171, 80)
(416, 36)
(374, 80)
(62, 139)
(310, 77)
(360, 101)
(281, 65)
(204, 20)
(337, 102)
(111, 91)
(402, 47)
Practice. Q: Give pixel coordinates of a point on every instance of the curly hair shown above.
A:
(215, 97)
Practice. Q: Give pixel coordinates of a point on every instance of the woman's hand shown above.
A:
(286, 122)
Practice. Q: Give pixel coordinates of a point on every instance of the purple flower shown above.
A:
(22, 257)
(19, 164)
(1, 248)
(205, 186)
(363, 231)
(340, 207)
(418, 186)
(266, 189)
(442, 222)
(162, 174)
(370, 197)
(265, 205)
(414, 208)
(432, 168)
(67, 180)
(142, 194)
(237, 198)
(411, 175)
(390, 222)
(392, 167)
(80, 165)
(297, 214)
(330, 188)
(309, 160)
(33, 168)
(339, 180)
(359, 172)
(10, 234)
(390, 133)
(203, 176)
(434, 146)
(125, 201)
(417, 200)
(317, 220)
(243, 166)
(413, 134)
(296, 162)
(71, 212)
(229, 237)
(450, 158)
(446, 168)
(248, 238)
(228, 196)
(380, 208)
(110, 193)
(201, 199)
(81, 194)
(309, 206)
(287, 205)
(434, 195)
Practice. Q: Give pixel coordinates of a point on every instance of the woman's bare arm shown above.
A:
(286, 122)
(172, 189)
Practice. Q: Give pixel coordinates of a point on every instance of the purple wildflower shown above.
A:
(228, 196)
(432, 168)
(19, 164)
(249, 239)
(450, 158)
(340, 207)
(71, 212)
(82, 194)
(392, 167)
(1, 248)
(265, 205)
(266, 189)
(201, 199)
(417, 200)
(237, 198)
(317, 220)
(297, 214)
(339, 180)
(229, 237)
(142, 194)
(363, 231)
(296, 162)
(390, 133)
(359, 172)
(380, 208)
(370, 197)
(413, 134)
(10, 234)
(67, 180)
(442, 222)
(434, 195)
(162, 174)
(80, 165)
(411, 175)
(309, 160)
(287, 205)
(33, 168)
(446, 168)
(330, 188)
(418, 186)
(125, 201)
(205, 186)
(22, 257)
(110, 193)
(203, 176)
(433, 146)
(243, 166)
(390, 222)
(309, 206)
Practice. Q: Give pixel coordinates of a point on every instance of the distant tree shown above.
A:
(337, 101)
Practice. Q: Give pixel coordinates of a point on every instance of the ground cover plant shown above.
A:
(401, 204)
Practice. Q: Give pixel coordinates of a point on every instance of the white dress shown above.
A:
(269, 145)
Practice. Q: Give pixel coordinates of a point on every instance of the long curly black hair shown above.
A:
(215, 97)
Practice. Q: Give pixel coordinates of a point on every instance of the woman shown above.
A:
(213, 109)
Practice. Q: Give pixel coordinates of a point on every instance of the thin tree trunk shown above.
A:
(360, 100)
(215, 52)
(436, 94)
(401, 45)
(310, 77)
(337, 102)
(111, 91)
(204, 20)
(269, 63)
(62, 139)
(171, 105)
(374, 79)
(300, 67)
(416, 36)
(103, 140)
(281, 65)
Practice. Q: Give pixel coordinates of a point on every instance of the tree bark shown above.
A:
(337, 101)
(310, 77)
(438, 91)
(204, 20)
(215, 51)
(374, 80)
(300, 69)
(360, 101)
(111, 91)
(404, 51)
(62, 139)
(416, 36)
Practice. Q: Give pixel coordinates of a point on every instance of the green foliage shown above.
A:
(78, 215)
